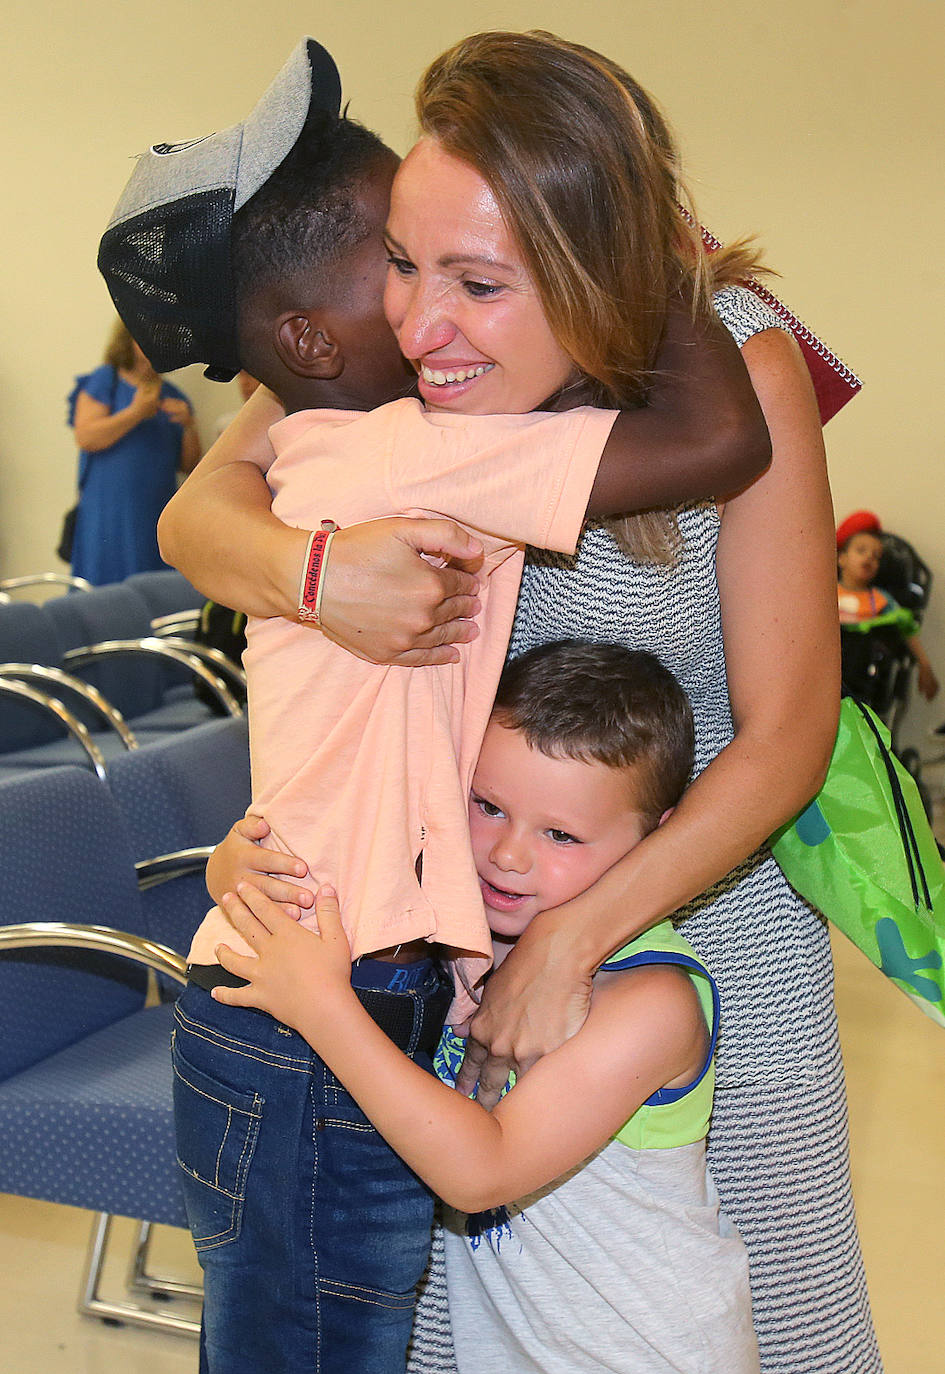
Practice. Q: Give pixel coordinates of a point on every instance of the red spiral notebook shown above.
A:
(834, 382)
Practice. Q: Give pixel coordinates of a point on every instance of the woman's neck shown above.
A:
(580, 391)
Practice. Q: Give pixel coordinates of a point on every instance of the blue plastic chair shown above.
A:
(85, 1076)
(182, 794)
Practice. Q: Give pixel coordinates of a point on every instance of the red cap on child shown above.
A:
(860, 522)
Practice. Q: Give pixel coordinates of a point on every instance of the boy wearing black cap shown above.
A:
(327, 1209)
(311, 1232)
(615, 1255)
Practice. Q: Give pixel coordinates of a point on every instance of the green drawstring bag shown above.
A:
(864, 854)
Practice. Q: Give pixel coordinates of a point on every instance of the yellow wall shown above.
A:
(817, 123)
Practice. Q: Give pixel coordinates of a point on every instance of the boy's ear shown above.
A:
(306, 347)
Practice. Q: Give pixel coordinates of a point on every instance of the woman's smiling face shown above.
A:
(459, 296)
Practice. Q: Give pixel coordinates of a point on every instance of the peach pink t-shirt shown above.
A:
(360, 768)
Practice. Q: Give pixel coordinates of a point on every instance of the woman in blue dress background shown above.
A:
(135, 431)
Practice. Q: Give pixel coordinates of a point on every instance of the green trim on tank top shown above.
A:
(669, 1125)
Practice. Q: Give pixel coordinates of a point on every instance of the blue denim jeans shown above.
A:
(311, 1232)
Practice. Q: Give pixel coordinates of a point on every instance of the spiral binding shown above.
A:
(798, 328)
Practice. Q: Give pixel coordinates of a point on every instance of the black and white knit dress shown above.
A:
(778, 1142)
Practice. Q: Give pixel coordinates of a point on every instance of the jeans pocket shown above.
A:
(217, 1128)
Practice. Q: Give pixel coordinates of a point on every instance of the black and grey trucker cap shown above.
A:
(165, 255)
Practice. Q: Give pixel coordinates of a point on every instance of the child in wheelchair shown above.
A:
(882, 590)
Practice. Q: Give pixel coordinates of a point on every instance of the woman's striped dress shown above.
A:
(778, 1143)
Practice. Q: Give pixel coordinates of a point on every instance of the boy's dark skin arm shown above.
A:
(701, 434)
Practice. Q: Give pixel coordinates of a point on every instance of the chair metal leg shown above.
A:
(140, 1281)
(91, 1305)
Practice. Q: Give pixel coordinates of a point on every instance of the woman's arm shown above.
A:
(218, 528)
(776, 577)
(381, 600)
(97, 427)
(629, 1047)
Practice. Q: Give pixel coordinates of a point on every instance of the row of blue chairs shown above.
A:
(103, 887)
(88, 676)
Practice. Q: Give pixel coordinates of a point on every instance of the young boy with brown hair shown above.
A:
(603, 1246)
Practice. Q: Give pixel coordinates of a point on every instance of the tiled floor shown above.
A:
(896, 1070)
(895, 1060)
(42, 1251)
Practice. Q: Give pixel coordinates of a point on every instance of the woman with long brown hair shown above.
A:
(571, 149)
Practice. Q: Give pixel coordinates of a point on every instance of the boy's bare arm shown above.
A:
(701, 434)
(646, 1030)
